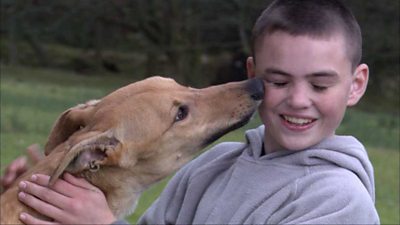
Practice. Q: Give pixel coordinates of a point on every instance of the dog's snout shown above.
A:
(255, 87)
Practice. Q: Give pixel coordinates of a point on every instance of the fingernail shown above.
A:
(33, 178)
(22, 216)
(22, 185)
(21, 195)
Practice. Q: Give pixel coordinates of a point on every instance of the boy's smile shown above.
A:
(297, 123)
(308, 85)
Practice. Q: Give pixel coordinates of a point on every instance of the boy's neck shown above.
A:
(272, 147)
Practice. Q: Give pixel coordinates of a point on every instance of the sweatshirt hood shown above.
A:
(343, 151)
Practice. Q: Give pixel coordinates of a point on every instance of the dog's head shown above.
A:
(151, 127)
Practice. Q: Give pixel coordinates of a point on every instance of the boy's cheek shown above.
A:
(267, 106)
(272, 96)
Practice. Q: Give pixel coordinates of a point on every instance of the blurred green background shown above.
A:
(56, 54)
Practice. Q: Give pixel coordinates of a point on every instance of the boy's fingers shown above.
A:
(40, 206)
(41, 191)
(18, 164)
(64, 187)
(28, 219)
(40, 179)
(60, 186)
(80, 182)
(17, 167)
(35, 153)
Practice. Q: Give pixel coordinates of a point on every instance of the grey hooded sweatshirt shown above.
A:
(234, 183)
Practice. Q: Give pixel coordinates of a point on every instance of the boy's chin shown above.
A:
(294, 141)
(300, 143)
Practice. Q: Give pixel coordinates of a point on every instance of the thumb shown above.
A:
(80, 182)
(35, 153)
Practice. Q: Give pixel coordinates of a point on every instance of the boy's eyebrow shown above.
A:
(322, 73)
(276, 71)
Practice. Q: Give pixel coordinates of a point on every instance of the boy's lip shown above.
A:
(297, 122)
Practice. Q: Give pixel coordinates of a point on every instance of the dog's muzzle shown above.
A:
(255, 87)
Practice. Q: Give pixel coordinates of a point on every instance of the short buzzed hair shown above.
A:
(314, 18)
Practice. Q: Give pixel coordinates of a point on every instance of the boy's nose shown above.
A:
(299, 98)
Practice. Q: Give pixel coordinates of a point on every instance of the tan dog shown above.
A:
(136, 136)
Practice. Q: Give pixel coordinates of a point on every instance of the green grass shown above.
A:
(386, 165)
(31, 100)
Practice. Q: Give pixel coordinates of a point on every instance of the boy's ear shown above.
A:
(250, 66)
(358, 84)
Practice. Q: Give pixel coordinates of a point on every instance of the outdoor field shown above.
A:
(31, 100)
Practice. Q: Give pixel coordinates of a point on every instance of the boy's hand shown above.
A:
(20, 165)
(70, 201)
(13, 171)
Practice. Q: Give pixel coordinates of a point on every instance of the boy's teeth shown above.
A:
(295, 120)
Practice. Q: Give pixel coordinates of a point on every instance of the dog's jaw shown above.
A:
(123, 203)
(122, 199)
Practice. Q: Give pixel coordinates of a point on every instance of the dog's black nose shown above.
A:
(255, 87)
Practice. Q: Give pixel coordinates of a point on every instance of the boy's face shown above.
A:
(308, 85)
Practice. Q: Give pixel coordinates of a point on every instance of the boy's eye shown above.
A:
(319, 87)
(278, 83)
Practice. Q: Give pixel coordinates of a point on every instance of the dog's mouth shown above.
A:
(215, 136)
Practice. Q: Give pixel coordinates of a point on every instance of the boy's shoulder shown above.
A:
(337, 166)
(336, 193)
(336, 190)
(341, 142)
(331, 179)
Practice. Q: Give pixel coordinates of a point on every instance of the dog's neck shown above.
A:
(122, 204)
(122, 200)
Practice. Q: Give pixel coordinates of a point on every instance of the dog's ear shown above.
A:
(89, 154)
(68, 123)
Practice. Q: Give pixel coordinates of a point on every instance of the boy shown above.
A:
(292, 170)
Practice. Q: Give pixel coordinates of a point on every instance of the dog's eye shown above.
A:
(182, 113)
